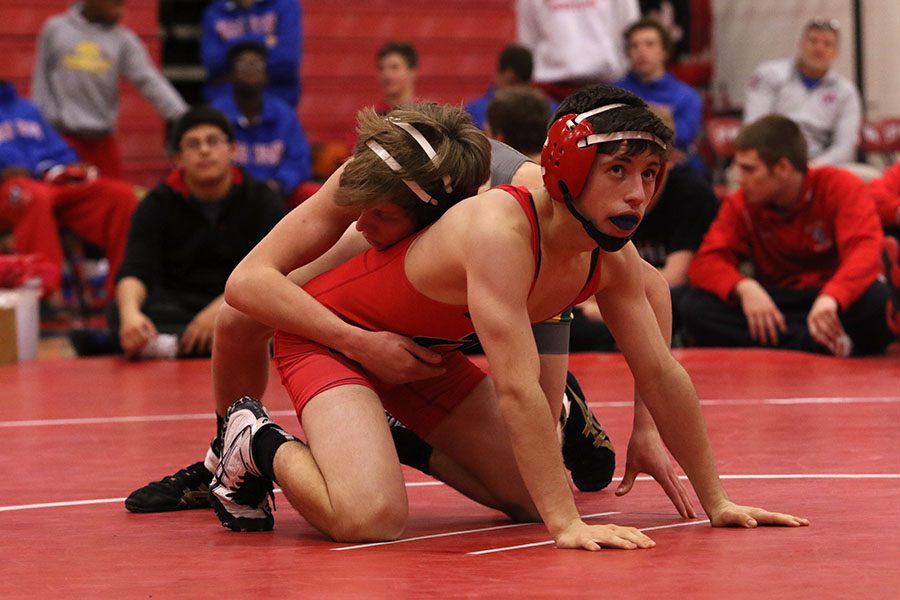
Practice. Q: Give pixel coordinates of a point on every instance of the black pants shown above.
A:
(171, 312)
(594, 336)
(711, 322)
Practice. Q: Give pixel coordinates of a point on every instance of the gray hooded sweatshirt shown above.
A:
(77, 69)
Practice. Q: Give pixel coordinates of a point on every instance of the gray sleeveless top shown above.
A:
(504, 163)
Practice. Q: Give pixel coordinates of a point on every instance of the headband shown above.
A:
(600, 138)
(395, 166)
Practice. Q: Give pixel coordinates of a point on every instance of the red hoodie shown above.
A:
(831, 240)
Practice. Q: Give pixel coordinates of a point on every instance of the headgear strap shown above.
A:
(566, 163)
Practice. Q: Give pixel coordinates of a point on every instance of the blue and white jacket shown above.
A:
(274, 146)
(26, 139)
(274, 24)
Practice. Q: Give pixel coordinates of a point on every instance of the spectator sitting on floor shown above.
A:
(186, 237)
(808, 91)
(276, 24)
(514, 67)
(81, 56)
(518, 117)
(668, 237)
(270, 142)
(814, 243)
(43, 187)
(649, 47)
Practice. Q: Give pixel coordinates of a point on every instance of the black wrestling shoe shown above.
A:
(587, 451)
(184, 490)
(239, 493)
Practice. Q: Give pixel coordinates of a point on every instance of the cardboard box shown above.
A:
(19, 324)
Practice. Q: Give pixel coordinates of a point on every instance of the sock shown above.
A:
(266, 443)
(412, 450)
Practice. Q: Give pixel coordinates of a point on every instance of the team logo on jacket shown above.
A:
(820, 236)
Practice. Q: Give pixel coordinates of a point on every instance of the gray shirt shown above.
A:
(505, 161)
(76, 74)
(829, 114)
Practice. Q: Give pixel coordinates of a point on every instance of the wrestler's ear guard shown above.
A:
(570, 149)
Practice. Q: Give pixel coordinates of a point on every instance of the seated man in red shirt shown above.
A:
(488, 268)
(813, 241)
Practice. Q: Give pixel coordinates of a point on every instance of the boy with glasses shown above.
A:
(186, 236)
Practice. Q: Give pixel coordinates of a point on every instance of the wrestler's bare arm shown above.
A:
(497, 290)
(646, 452)
(664, 386)
(667, 391)
(261, 288)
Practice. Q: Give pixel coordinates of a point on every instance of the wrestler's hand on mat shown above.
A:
(729, 514)
(594, 537)
(646, 454)
(394, 358)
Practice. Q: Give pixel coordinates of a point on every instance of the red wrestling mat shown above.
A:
(815, 436)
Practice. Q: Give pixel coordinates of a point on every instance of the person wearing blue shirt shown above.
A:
(514, 68)
(43, 187)
(270, 143)
(275, 24)
(648, 45)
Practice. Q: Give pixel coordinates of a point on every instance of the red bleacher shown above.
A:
(458, 42)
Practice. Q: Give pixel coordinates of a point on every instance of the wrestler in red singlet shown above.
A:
(373, 292)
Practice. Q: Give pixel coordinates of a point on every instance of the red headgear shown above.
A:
(570, 149)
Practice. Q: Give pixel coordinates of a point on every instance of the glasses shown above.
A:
(212, 141)
(823, 24)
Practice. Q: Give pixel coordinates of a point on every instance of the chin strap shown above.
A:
(607, 242)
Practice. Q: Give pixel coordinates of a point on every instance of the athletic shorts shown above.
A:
(307, 369)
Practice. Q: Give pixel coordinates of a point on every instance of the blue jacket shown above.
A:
(678, 96)
(274, 147)
(477, 108)
(26, 139)
(273, 23)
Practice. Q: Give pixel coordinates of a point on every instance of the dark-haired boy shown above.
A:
(186, 236)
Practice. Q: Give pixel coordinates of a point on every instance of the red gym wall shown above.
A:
(458, 42)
